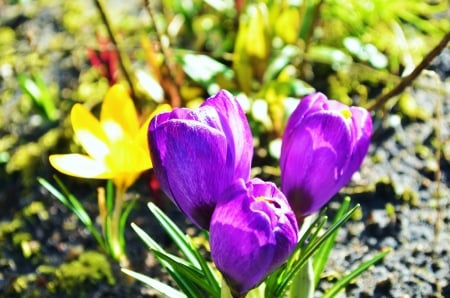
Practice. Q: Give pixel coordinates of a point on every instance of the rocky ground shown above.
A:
(403, 189)
(405, 173)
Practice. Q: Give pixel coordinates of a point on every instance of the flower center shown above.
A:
(271, 201)
(346, 113)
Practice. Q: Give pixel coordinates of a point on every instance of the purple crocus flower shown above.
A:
(252, 233)
(197, 154)
(323, 145)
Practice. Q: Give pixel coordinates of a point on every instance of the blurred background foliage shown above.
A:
(268, 53)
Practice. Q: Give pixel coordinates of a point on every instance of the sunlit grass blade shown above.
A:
(109, 196)
(213, 280)
(310, 9)
(175, 233)
(343, 282)
(123, 220)
(308, 252)
(72, 203)
(157, 285)
(307, 234)
(38, 91)
(187, 287)
(188, 271)
(321, 256)
(108, 237)
(274, 280)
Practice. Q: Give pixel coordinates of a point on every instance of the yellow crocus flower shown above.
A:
(116, 145)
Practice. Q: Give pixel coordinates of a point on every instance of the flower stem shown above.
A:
(118, 251)
(303, 283)
(124, 63)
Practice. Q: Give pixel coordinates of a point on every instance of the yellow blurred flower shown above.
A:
(116, 145)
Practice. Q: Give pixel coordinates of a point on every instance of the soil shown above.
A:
(402, 187)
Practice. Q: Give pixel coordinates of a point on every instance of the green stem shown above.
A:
(118, 251)
(303, 283)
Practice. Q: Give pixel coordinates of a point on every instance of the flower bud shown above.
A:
(323, 145)
(252, 233)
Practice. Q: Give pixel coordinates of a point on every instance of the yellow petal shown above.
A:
(143, 131)
(127, 161)
(89, 132)
(80, 166)
(128, 157)
(118, 107)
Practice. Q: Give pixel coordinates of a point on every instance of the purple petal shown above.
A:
(309, 104)
(361, 133)
(252, 233)
(314, 161)
(189, 160)
(237, 130)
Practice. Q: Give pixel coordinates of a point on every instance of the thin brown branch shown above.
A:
(406, 81)
(172, 89)
(123, 62)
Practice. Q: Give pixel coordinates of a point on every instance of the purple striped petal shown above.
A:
(197, 154)
(324, 143)
(252, 233)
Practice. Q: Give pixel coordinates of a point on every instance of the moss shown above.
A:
(89, 269)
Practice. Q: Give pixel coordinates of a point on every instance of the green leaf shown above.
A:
(38, 91)
(321, 257)
(109, 196)
(343, 282)
(157, 285)
(212, 278)
(285, 57)
(123, 220)
(188, 271)
(72, 203)
(204, 69)
(304, 254)
(175, 233)
(186, 286)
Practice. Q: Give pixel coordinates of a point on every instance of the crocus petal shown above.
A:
(309, 104)
(89, 132)
(318, 167)
(252, 233)
(237, 129)
(324, 143)
(199, 153)
(189, 160)
(127, 156)
(80, 166)
(118, 107)
(361, 134)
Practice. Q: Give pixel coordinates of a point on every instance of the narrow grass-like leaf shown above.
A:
(213, 280)
(157, 285)
(107, 234)
(343, 282)
(321, 256)
(175, 233)
(110, 196)
(310, 249)
(123, 220)
(75, 204)
(72, 203)
(186, 286)
(187, 270)
(275, 279)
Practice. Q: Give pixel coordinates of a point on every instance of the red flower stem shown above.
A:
(123, 62)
